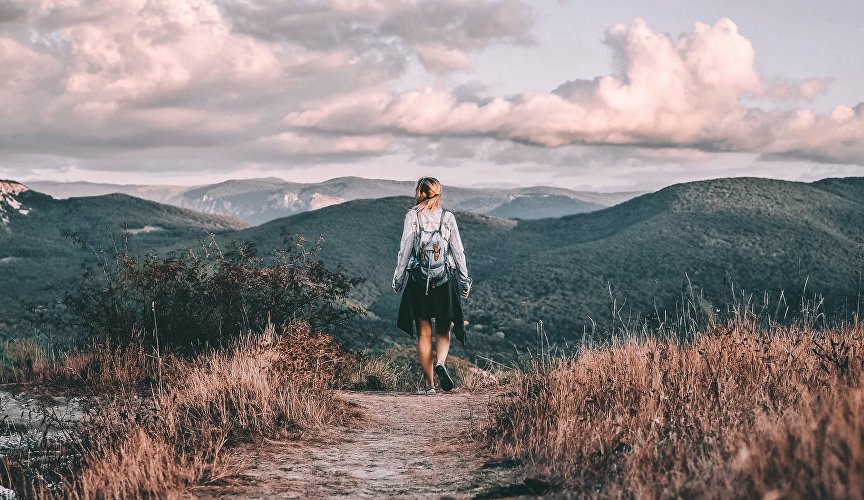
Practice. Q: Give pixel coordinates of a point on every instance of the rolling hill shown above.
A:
(34, 255)
(762, 235)
(160, 193)
(262, 200)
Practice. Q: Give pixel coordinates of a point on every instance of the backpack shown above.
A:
(430, 253)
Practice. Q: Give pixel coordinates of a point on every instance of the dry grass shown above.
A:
(173, 428)
(397, 369)
(99, 365)
(737, 413)
(24, 359)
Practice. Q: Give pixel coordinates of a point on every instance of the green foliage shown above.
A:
(686, 244)
(206, 296)
(36, 261)
(673, 255)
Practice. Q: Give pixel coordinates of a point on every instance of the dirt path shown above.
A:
(406, 446)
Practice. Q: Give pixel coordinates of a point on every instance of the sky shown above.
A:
(583, 94)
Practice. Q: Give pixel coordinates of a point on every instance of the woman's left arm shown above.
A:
(458, 253)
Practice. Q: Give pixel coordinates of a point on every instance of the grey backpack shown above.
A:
(430, 253)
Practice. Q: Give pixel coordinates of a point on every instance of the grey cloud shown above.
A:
(11, 11)
(387, 33)
(460, 24)
(577, 90)
(686, 93)
(375, 25)
(97, 78)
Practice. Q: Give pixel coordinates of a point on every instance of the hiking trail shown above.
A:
(404, 446)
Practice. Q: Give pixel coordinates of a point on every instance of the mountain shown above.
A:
(261, 200)
(34, 255)
(541, 206)
(760, 234)
(10, 202)
(161, 193)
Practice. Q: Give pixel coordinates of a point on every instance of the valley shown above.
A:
(689, 245)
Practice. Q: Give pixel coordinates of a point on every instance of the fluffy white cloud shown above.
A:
(805, 90)
(686, 93)
(84, 77)
(212, 84)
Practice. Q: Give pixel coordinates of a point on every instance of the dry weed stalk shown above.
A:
(735, 413)
(158, 438)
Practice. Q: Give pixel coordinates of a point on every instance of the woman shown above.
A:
(431, 268)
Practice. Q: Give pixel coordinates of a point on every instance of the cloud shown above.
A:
(86, 77)
(440, 59)
(11, 11)
(684, 93)
(805, 90)
(208, 85)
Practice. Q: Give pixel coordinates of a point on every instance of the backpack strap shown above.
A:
(415, 249)
(447, 246)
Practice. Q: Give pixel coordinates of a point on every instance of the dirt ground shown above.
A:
(404, 446)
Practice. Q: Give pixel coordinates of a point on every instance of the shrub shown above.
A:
(24, 359)
(204, 297)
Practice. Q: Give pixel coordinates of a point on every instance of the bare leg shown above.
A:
(442, 341)
(424, 351)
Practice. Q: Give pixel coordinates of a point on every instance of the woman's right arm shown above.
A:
(406, 247)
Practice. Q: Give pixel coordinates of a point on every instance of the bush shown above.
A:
(204, 296)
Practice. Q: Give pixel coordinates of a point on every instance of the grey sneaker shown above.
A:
(424, 392)
(444, 377)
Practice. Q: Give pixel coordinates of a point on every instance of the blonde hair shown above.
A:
(427, 194)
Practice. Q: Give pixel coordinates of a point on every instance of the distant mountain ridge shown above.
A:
(760, 234)
(260, 200)
(10, 191)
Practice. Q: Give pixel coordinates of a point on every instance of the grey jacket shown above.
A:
(429, 220)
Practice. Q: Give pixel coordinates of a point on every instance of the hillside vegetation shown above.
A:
(157, 425)
(687, 243)
(261, 200)
(36, 259)
(591, 274)
(187, 355)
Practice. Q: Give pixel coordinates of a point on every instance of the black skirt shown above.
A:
(443, 303)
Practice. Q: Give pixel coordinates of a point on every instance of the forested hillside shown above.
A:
(36, 259)
(760, 235)
(756, 234)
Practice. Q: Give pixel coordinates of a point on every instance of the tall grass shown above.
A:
(397, 369)
(24, 359)
(737, 412)
(169, 422)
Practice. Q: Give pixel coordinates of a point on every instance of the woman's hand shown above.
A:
(466, 287)
(397, 285)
